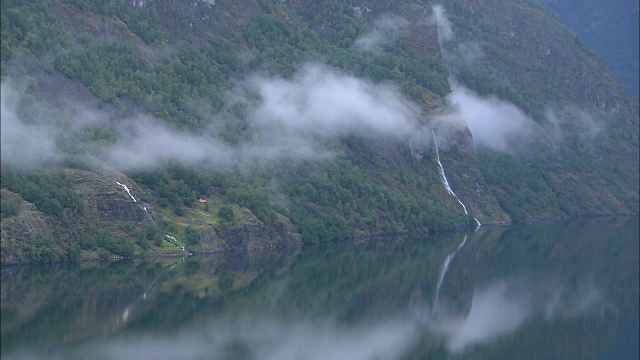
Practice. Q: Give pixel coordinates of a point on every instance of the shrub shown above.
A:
(119, 246)
(225, 213)
(178, 210)
(88, 243)
(192, 236)
(10, 207)
(103, 254)
(157, 241)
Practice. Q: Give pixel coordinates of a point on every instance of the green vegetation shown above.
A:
(225, 213)
(191, 235)
(180, 63)
(10, 206)
(48, 190)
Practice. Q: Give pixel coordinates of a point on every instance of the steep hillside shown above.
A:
(611, 31)
(585, 161)
(251, 124)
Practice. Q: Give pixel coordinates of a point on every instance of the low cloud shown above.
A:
(296, 118)
(469, 51)
(26, 143)
(319, 102)
(259, 338)
(465, 52)
(497, 123)
(145, 142)
(502, 307)
(498, 309)
(570, 120)
(494, 312)
(385, 29)
(445, 28)
(493, 122)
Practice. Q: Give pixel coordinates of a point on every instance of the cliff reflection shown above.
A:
(506, 290)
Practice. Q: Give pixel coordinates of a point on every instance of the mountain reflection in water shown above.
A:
(559, 290)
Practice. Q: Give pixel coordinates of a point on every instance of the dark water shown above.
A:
(545, 291)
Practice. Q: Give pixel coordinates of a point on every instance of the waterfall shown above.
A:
(171, 239)
(464, 241)
(176, 264)
(127, 311)
(447, 260)
(128, 192)
(443, 271)
(175, 241)
(126, 188)
(445, 182)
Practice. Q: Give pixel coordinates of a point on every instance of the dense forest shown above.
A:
(155, 127)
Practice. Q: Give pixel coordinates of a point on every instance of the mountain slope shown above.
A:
(300, 121)
(611, 31)
(586, 117)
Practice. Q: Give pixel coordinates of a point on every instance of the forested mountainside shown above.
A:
(156, 127)
(610, 29)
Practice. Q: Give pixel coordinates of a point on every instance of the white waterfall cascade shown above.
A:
(443, 272)
(127, 311)
(445, 182)
(176, 264)
(175, 242)
(126, 188)
(171, 239)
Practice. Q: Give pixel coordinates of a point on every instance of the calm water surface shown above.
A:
(546, 291)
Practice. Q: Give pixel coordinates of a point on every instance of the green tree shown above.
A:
(10, 207)
(192, 235)
(225, 213)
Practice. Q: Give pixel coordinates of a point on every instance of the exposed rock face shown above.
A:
(27, 206)
(105, 205)
(286, 231)
(104, 199)
(111, 207)
(457, 157)
(210, 241)
(20, 229)
(250, 236)
(247, 236)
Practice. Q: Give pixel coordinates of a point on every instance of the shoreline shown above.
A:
(355, 239)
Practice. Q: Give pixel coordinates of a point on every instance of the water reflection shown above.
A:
(505, 305)
(543, 291)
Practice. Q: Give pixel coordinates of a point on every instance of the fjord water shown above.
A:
(564, 290)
